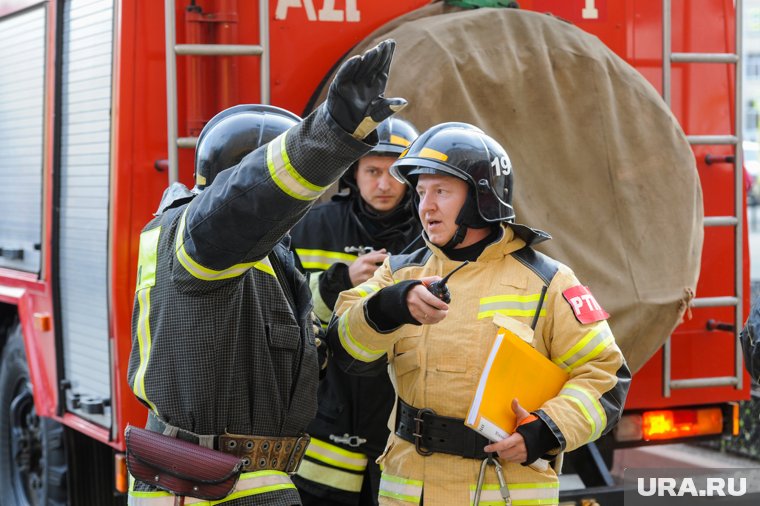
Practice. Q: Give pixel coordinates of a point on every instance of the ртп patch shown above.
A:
(584, 305)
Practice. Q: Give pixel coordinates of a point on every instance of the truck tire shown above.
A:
(33, 464)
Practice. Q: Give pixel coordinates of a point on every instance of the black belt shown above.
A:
(431, 433)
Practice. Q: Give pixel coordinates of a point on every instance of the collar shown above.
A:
(505, 244)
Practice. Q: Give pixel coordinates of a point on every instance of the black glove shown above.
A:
(355, 99)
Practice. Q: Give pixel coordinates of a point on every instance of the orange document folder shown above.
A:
(514, 369)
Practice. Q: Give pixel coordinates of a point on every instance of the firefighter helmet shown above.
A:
(464, 151)
(394, 136)
(232, 134)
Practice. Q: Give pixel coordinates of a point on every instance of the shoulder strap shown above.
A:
(419, 257)
(543, 266)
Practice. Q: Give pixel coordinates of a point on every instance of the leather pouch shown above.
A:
(176, 466)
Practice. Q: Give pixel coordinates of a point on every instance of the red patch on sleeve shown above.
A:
(584, 305)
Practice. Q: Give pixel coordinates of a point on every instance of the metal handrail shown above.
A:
(219, 49)
(668, 58)
(173, 49)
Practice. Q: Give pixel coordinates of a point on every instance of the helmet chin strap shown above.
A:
(468, 217)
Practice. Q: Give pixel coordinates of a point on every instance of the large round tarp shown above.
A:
(599, 160)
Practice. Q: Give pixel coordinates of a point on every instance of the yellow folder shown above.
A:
(514, 369)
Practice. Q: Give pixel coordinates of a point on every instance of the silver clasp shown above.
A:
(352, 441)
(499, 475)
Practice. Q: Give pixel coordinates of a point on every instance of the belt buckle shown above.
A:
(296, 455)
(418, 431)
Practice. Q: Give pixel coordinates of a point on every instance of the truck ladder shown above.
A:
(735, 221)
(173, 49)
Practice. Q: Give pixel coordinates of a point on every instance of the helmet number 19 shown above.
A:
(501, 165)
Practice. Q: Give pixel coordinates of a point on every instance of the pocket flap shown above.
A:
(283, 336)
(407, 362)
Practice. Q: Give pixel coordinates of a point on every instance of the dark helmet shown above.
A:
(465, 151)
(233, 133)
(395, 135)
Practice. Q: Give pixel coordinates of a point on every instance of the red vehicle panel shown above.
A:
(307, 38)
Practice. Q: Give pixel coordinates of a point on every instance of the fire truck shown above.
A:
(101, 102)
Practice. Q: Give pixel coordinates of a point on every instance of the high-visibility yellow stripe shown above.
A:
(285, 176)
(147, 258)
(432, 153)
(590, 407)
(144, 343)
(400, 488)
(510, 312)
(328, 255)
(367, 288)
(250, 484)
(335, 478)
(583, 410)
(594, 353)
(534, 297)
(510, 305)
(352, 346)
(336, 456)
(588, 348)
(521, 494)
(323, 312)
(400, 141)
(206, 274)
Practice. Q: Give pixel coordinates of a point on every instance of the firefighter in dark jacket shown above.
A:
(341, 243)
(750, 341)
(222, 338)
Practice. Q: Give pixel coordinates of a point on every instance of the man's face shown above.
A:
(441, 198)
(381, 191)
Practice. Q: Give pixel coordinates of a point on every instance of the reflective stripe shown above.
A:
(510, 305)
(588, 348)
(336, 456)
(323, 312)
(206, 274)
(335, 478)
(367, 288)
(147, 258)
(400, 488)
(322, 259)
(137, 498)
(522, 494)
(144, 342)
(352, 346)
(285, 176)
(249, 484)
(589, 406)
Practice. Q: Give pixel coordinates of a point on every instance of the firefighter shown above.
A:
(224, 353)
(464, 183)
(341, 243)
(749, 337)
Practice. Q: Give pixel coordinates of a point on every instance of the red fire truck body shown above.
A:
(95, 161)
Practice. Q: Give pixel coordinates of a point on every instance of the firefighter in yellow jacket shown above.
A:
(462, 180)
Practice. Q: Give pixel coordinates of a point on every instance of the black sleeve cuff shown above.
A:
(333, 281)
(387, 309)
(539, 440)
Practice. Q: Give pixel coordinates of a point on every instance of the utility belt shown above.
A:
(256, 453)
(432, 433)
(205, 467)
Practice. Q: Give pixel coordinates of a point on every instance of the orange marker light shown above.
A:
(672, 424)
(120, 468)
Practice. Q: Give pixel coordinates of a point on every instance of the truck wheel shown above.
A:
(32, 454)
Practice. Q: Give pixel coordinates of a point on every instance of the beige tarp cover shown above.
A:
(599, 160)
